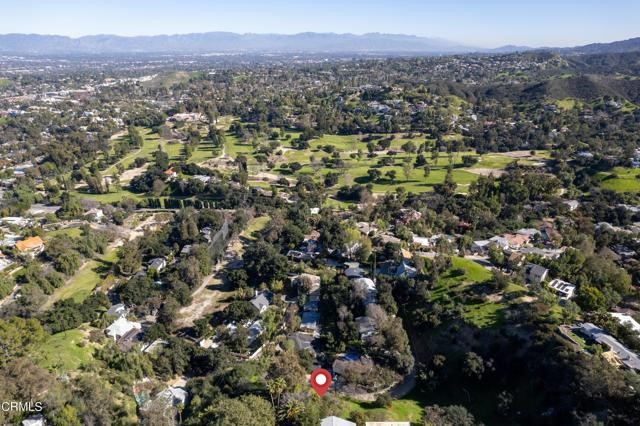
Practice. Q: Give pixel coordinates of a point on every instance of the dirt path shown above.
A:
(11, 296)
(129, 174)
(272, 177)
(212, 295)
(485, 171)
(520, 154)
(208, 298)
(397, 391)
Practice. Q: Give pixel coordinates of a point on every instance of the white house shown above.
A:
(173, 396)
(625, 319)
(118, 310)
(260, 302)
(564, 289)
(121, 327)
(35, 420)
(95, 214)
(335, 421)
(480, 246)
(387, 424)
(367, 286)
(157, 264)
(535, 274)
(571, 204)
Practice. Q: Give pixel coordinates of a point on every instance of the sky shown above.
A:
(479, 23)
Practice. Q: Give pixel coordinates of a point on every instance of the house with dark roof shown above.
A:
(260, 302)
(535, 274)
(310, 321)
(402, 269)
(302, 341)
(625, 356)
(366, 327)
(117, 311)
(353, 270)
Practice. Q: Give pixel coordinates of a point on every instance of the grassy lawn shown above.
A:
(71, 232)
(234, 147)
(399, 410)
(84, 281)
(149, 146)
(620, 179)
(453, 284)
(109, 197)
(256, 224)
(65, 351)
(567, 103)
(203, 152)
(355, 170)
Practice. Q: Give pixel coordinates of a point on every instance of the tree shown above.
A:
(407, 167)
(591, 299)
(391, 174)
(70, 207)
(496, 255)
(364, 251)
(409, 147)
(276, 387)
(499, 281)
(453, 415)
(67, 416)
(473, 365)
(158, 187)
(426, 171)
(161, 158)
(17, 337)
(137, 290)
(248, 410)
(129, 258)
(570, 312)
(469, 160)
(420, 161)
(264, 264)
(374, 174)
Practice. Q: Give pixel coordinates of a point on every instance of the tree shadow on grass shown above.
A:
(103, 267)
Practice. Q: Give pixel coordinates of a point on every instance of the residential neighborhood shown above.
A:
(334, 229)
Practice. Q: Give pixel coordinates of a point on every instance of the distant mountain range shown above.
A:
(226, 42)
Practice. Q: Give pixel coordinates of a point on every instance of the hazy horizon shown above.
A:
(491, 24)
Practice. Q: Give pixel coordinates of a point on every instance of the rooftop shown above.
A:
(29, 243)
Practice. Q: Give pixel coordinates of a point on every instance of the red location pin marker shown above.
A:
(320, 381)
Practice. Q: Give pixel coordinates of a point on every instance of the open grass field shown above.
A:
(149, 146)
(203, 152)
(68, 352)
(620, 179)
(169, 80)
(256, 224)
(109, 197)
(65, 351)
(72, 232)
(355, 169)
(460, 277)
(567, 103)
(85, 280)
(151, 142)
(406, 409)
